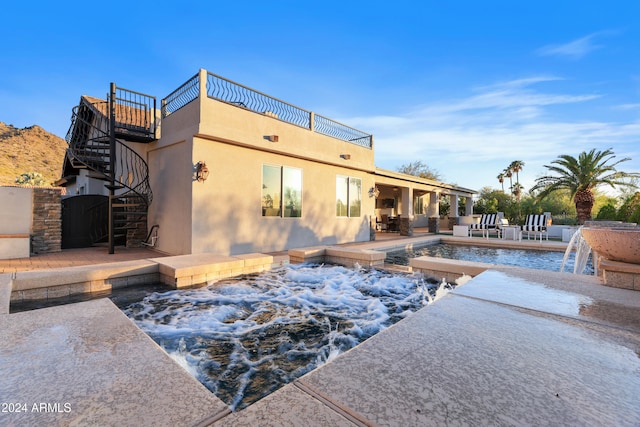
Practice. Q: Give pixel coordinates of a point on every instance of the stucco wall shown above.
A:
(223, 214)
(170, 176)
(30, 221)
(237, 124)
(16, 212)
(227, 215)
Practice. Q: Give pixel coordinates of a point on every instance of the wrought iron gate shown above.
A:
(85, 220)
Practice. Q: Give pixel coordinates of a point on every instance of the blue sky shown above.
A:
(466, 87)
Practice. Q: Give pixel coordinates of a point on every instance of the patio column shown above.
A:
(434, 212)
(468, 209)
(434, 204)
(406, 216)
(454, 216)
(454, 205)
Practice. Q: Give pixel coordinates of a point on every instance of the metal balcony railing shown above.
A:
(182, 96)
(240, 96)
(332, 128)
(135, 115)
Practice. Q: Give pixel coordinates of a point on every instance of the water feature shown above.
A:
(582, 250)
(534, 258)
(616, 247)
(615, 241)
(245, 337)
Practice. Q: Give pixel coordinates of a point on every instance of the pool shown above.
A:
(245, 337)
(536, 259)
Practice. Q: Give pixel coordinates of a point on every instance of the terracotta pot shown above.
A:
(616, 244)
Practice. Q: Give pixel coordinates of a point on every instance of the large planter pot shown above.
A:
(616, 244)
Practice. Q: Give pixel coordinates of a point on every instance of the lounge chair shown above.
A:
(487, 224)
(536, 224)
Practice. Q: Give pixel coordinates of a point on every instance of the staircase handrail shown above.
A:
(132, 172)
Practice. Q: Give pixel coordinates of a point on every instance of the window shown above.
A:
(281, 191)
(418, 206)
(348, 196)
(292, 185)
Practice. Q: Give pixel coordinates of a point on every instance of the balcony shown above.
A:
(240, 96)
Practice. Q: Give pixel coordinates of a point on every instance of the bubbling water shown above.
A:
(243, 338)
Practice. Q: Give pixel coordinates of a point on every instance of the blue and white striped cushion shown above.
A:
(534, 223)
(486, 221)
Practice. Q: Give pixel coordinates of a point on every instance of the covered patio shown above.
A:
(404, 202)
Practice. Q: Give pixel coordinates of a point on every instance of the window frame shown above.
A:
(346, 209)
(281, 209)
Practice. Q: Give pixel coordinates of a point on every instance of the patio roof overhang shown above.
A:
(385, 177)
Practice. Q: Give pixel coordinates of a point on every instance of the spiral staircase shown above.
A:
(99, 138)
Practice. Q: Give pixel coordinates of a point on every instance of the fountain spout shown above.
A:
(582, 249)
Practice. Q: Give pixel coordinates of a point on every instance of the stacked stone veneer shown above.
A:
(619, 274)
(46, 226)
(406, 226)
(137, 232)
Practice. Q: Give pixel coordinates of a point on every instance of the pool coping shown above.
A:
(198, 269)
(372, 254)
(303, 399)
(173, 271)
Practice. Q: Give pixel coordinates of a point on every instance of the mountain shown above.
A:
(30, 149)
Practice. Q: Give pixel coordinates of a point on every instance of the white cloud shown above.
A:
(627, 107)
(575, 49)
(470, 140)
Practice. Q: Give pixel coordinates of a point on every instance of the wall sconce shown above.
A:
(374, 192)
(202, 172)
(345, 156)
(272, 138)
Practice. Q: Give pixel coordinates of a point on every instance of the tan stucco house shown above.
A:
(232, 170)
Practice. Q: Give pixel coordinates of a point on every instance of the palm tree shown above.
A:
(509, 173)
(582, 176)
(501, 180)
(517, 190)
(516, 166)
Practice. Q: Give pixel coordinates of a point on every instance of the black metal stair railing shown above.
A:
(89, 147)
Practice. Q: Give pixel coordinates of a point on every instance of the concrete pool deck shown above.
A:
(510, 347)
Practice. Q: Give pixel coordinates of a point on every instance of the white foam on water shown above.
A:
(245, 337)
(462, 280)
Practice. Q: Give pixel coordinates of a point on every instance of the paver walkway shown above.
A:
(74, 257)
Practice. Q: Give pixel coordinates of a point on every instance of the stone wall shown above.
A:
(46, 227)
(406, 226)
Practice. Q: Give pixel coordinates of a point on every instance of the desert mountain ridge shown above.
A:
(30, 149)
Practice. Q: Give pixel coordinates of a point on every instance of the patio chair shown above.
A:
(536, 224)
(384, 222)
(393, 224)
(487, 224)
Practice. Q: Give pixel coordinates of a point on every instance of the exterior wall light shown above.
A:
(272, 138)
(345, 156)
(202, 172)
(374, 192)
